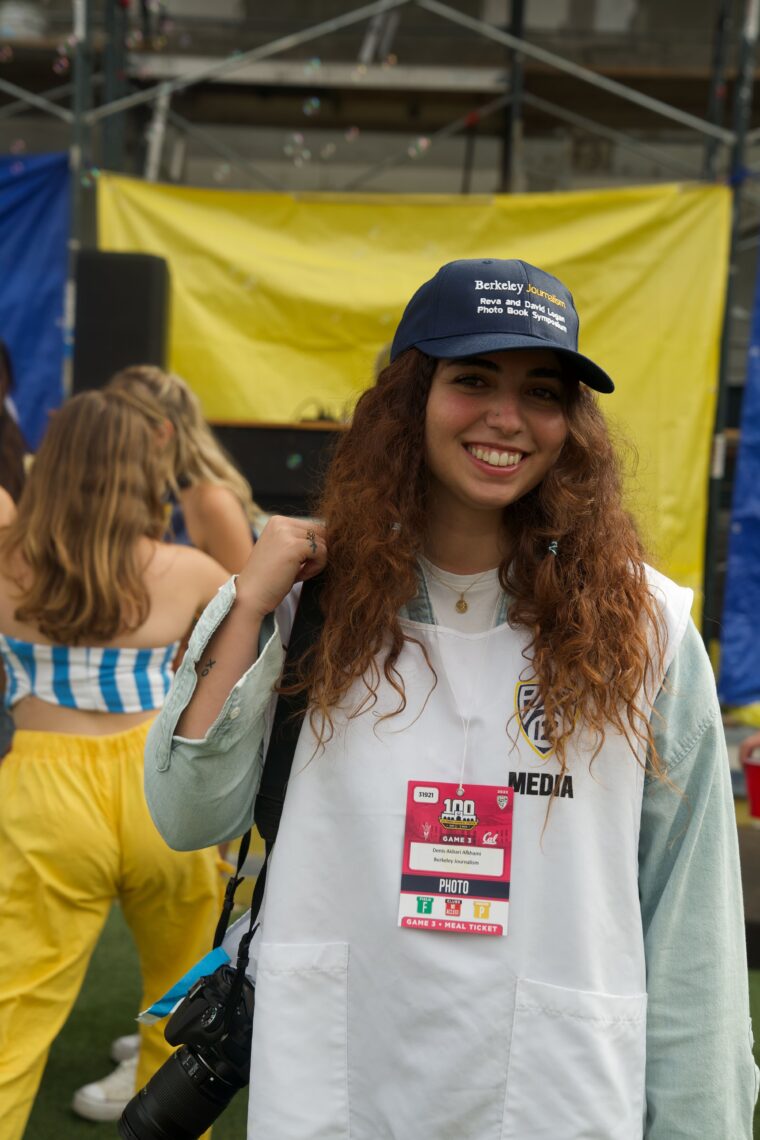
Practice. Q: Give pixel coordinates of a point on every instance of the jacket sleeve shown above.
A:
(701, 1079)
(201, 792)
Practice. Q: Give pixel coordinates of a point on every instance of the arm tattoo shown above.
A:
(208, 667)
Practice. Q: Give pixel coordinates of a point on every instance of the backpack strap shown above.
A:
(288, 716)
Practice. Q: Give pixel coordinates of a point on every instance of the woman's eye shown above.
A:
(546, 394)
(470, 381)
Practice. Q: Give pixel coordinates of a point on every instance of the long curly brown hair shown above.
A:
(596, 633)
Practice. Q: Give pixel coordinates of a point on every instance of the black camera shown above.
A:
(213, 1026)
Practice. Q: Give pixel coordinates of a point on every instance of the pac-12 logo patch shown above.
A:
(531, 717)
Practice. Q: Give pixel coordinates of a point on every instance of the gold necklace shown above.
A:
(461, 604)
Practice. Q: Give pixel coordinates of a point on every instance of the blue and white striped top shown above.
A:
(81, 677)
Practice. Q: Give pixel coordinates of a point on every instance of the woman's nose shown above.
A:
(505, 413)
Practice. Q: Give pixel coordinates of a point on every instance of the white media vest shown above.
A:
(366, 1031)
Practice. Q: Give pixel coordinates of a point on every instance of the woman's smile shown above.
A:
(495, 459)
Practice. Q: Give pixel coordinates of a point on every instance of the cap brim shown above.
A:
(452, 347)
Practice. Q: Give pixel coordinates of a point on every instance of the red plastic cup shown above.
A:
(752, 780)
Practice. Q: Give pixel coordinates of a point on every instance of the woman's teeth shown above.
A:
(496, 458)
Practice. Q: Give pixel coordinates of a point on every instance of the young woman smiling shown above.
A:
(504, 902)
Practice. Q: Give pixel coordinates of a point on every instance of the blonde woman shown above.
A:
(213, 507)
(92, 606)
(210, 507)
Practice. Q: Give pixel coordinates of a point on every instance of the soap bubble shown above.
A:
(17, 168)
(222, 172)
(61, 65)
(352, 134)
(6, 53)
(390, 60)
(311, 106)
(423, 143)
(328, 150)
(18, 146)
(296, 149)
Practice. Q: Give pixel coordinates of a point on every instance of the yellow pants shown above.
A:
(75, 834)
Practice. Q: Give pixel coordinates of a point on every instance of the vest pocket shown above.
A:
(299, 1064)
(576, 1065)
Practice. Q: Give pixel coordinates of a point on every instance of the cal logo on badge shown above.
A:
(531, 717)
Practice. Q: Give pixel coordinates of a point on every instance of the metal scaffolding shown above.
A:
(381, 17)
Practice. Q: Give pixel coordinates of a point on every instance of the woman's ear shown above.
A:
(164, 433)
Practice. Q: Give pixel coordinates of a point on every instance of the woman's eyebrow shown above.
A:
(478, 361)
(545, 372)
(541, 371)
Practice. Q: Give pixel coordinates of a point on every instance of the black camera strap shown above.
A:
(290, 711)
(233, 883)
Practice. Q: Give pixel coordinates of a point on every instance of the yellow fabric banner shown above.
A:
(281, 304)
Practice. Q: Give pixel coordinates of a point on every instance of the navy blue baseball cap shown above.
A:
(485, 305)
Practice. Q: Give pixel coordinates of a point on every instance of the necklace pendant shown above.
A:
(461, 606)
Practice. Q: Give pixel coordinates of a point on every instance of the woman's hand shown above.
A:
(288, 551)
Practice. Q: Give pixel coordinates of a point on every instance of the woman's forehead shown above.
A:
(523, 359)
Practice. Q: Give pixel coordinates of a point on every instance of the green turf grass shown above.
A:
(105, 1009)
(754, 1003)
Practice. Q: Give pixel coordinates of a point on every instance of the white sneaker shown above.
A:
(125, 1047)
(107, 1099)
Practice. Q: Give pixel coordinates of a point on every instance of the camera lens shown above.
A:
(179, 1102)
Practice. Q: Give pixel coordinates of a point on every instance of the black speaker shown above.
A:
(284, 463)
(122, 314)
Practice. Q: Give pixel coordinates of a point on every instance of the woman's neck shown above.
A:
(467, 542)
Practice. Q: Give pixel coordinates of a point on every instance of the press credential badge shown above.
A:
(457, 858)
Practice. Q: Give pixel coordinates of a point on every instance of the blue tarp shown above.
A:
(34, 226)
(740, 642)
